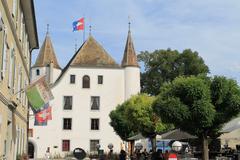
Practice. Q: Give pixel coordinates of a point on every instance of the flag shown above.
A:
(49, 113)
(39, 94)
(43, 116)
(78, 25)
(38, 123)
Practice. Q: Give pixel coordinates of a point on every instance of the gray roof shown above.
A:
(232, 125)
(177, 134)
(30, 20)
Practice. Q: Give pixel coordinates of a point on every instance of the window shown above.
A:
(95, 102)
(1, 26)
(11, 68)
(30, 132)
(14, 74)
(18, 140)
(14, 9)
(19, 82)
(100, 79)
(4, 55)
(86, 81)
(94, 124)
(67, 123)
(25, 98)
(67, 102)
(93, 144)
(21, 27)
(5, 147)
(15, 89)
(65, 145)
(2, 41)
(37, 72)
(72, 79)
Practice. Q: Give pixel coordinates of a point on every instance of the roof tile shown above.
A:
(92, 54)
(46, 55)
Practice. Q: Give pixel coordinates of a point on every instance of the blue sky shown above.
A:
(210, 27)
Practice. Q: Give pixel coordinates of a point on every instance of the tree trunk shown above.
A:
(153, 142)
(205, 154)
(131, 147)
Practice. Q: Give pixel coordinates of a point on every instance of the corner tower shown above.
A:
(131, 68)
(46, 62)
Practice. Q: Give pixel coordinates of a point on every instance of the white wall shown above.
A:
(111, 94)
(43, 71)
(132, 81)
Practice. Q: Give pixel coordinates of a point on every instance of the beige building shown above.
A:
(18, 37)
(231, 133)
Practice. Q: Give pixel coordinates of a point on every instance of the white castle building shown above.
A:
(90, 86)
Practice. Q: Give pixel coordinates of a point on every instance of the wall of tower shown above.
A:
(132, 81)
(44, 71)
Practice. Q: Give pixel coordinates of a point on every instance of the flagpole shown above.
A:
(83, 29)
(90, 26)
(75, 45)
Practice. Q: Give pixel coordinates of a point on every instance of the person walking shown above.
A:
(122, 155)
(166, 155)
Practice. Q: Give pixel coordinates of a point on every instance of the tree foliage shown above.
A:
(140, 113)
(197, 105)
(165, 65)
(136, 116)
(225, 96)
(120, 123)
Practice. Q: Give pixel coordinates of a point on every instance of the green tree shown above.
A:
(163, 66)
(198, 105)
(120, 123)
(137, 115)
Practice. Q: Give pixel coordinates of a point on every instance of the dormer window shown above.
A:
(86, 82)
(37, 72)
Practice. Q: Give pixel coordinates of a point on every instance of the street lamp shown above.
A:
(177, 146)
(110, 154)
(110, 146)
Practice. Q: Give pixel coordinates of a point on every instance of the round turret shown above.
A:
(131, 69)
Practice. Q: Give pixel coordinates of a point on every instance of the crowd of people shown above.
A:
(137, 155)
(159, 155)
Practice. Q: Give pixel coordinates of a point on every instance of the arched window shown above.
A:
(86, 82)
(37, 72)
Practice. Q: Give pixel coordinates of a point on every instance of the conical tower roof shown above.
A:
(129, 57)
(46, 55)
(92, 54)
